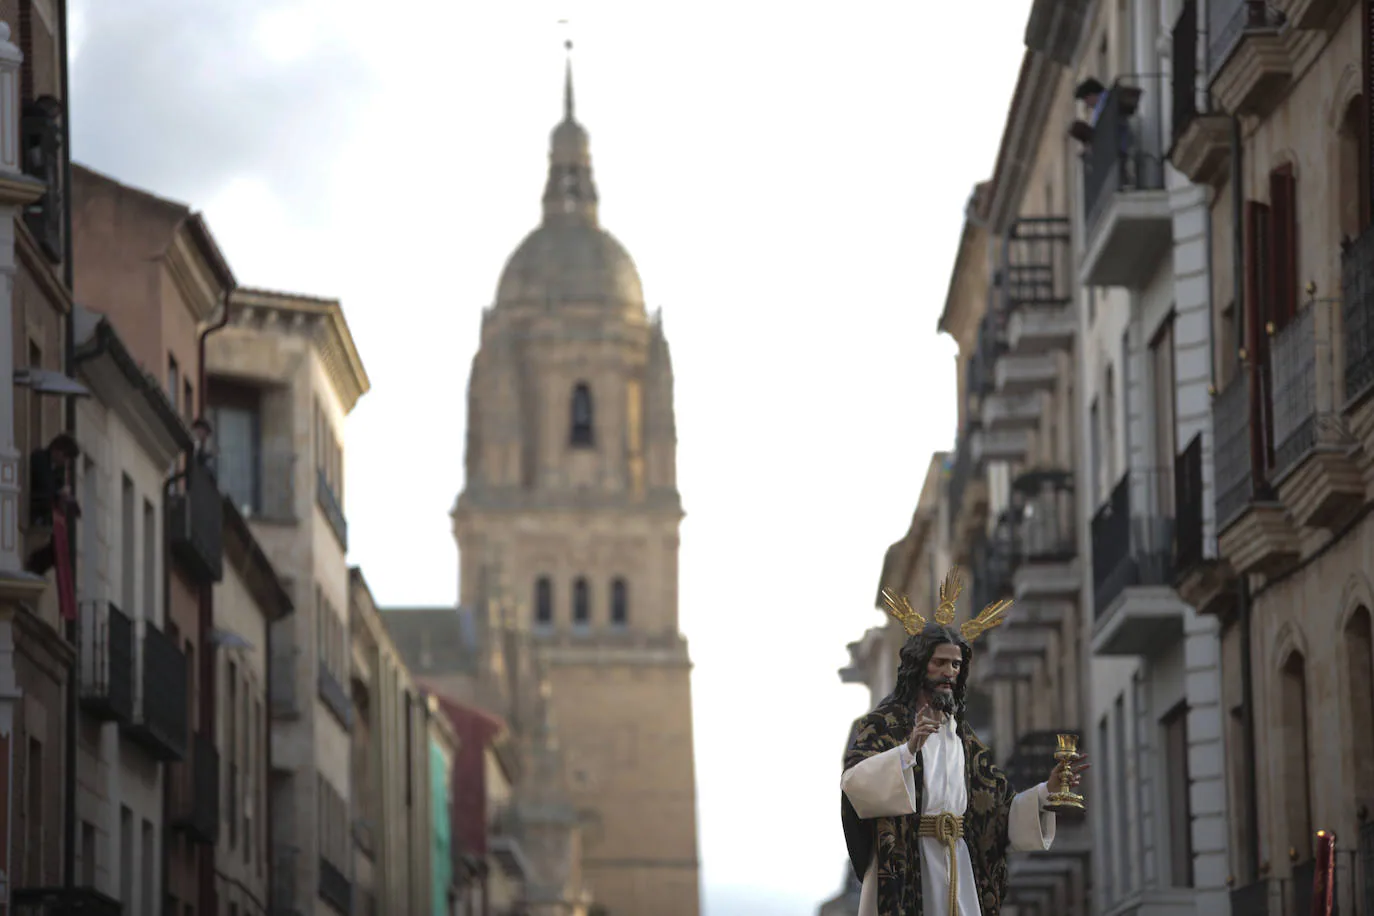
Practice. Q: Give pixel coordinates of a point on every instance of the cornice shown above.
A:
(333, 340)
(1027, 119)
(192, 277)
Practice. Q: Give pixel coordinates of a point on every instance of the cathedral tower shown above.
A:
(571, 485)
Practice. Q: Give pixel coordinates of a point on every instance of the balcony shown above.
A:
(195, 523)
(1046, 538)
(195, 792)
(335, 888)
(160, 716)
(335, 698)
(1201, 147)
(1253, 531)
(1318, 479)
(1054, 26)
(285, 690)
(1251, 899)
(1249, 66)
(1009, 445)
(1200, 578)
(1016, 374)
(1126, 207)
(1036, 289)
(1136, 610)
(329, 504)
(285, 896)
(107, 662)
(1033, 759)
(261, 482)
(365, 837)
(1012, 412)
(1357, 313)
(40, 128)
(1315, 15)
(60, 901)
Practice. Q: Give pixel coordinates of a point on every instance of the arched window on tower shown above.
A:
(582, 431)
(543, 602)
(582, 603)
(620, 603)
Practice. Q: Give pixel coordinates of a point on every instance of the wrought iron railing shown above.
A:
(1357, 313)
(335, 698)
(1185, 54)
(286, 861)
(1303, 875)
(960, 473)
(262, 483)
(1227, 23)
(1133, 536)
(1125, 153)
(994, 561)
(1234, 479)
(1190, 548)
(41, 158)
(107, 661)
(63, 901)
(1036, 259)
(195, 522)
(195, 791)
(1251, 899)
(335, 887)
(286, 686)
(1044, 516)
(160, 721)
(1303, 368)
(329, 504)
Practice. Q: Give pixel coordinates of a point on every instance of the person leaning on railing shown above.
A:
(51, 473)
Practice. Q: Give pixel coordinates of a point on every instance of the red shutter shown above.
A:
(1256, 288)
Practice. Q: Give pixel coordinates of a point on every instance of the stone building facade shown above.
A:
(281, 377)
(571, 488)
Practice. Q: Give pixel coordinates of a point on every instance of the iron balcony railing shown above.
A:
(1036, 263)
(335, 698)
(62, 901)
(1184, 87)
(107, 662)
(1125, 152)
(286, 687)
(1190, 547)
(286, 861)
(365, 836)
(1234, 479)
(160, 720)
(1228, 21)
(1251, 899)
(331, 507)
(195, 792)
(1044, 516)
(262, 483)
(40, 129)
(960, 473)
(1034, 756)
(1302, 371)
(1357, 313)
(990, 344)
(335, 888)
(994, 561)
(1133, 536)
(195, 522)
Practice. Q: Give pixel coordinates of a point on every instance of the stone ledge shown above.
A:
(1256, 76)
(1324, 490)
(1262, 540)
(1203, 151)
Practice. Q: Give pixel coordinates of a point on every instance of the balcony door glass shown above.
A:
(238, 432)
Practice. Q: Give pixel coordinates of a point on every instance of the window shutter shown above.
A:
(1283, 248)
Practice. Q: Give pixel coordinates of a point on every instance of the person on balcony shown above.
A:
(52, 470)
(928, 819)
(204, 436)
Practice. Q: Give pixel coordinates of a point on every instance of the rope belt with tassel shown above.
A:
(948, 829)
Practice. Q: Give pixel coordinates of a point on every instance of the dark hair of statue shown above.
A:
(915, 663)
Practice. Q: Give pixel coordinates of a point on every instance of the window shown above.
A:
(33, 814)
(126, 858)
(36, 437)
(1095, 488)
(188, 401)
(582, 603)
(1125, 880)
(543, 601)
(1109, 427)
(582, 430)
(239, 459)
(129, 550)
(1294, 775)
(232, 727)
(1176, 786)
(620, 603)
(1105, 829)
(150, 552)
(1164, 412)
(173, 380)
(88, 853)
(149, 862)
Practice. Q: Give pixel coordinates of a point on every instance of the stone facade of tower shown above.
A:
(571, 489)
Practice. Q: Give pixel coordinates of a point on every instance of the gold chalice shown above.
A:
(1066, 797)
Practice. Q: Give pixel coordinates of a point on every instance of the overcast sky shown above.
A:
(789, 179)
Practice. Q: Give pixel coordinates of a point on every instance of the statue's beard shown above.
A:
(940, 700)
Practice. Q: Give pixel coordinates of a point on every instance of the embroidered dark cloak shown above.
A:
(899, 850)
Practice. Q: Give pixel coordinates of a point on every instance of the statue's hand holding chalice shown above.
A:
(1067, 775)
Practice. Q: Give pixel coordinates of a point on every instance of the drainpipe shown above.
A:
(205, 596)
(69, 346)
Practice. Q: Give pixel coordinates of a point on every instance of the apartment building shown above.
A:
(1280, 139)
(394, 809)
(281, 377)
(250, 601)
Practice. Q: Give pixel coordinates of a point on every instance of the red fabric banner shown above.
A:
(66, 588)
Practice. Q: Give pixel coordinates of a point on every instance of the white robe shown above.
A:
(884, 786)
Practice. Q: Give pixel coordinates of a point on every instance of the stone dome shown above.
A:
(572, 263)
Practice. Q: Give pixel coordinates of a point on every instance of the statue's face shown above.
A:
(942, 672)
